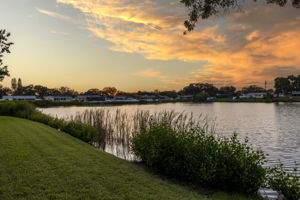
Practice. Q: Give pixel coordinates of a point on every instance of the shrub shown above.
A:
(286, 183)
(195, 156)
(17, 109)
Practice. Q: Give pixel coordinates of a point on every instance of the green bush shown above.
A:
(28, 111)
(286, 183)
(203, 159)
(17, 109)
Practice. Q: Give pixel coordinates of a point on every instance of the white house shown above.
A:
(124, 99)
(59, 98)
(19, 98)
(256, 95)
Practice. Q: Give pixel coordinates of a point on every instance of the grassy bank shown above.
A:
(38, 162)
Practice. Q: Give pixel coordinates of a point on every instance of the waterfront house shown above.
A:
(224, 96)
(59, 98)
(165, 98)
(256, 95)
(91, 98)
(19, 98)
(122, 98)
(296, 94)
(185, 97)
(280, 95)
(147, 98)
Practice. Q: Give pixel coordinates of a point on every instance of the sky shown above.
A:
(139, 44)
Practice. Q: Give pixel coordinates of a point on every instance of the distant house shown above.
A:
(19, 98)
(147, 98)
(210, 98)
(280, 95)
(165, 98)
(296, 94)
(59, 98)
(91, 98)
(224, 96)
(256, 95)
(121, 98)
(185, 97)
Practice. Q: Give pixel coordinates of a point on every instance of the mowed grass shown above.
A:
(38, 162)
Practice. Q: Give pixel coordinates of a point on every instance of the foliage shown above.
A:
(204, 9)
(230, 90)
(196, 156)
(201, 97)
(28, 111)
(286, 85)
(196, 88)
(253, 88)
(4, 48)
(286, 183)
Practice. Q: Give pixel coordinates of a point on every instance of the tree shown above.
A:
(41, 91)
(196, 88)
(20, 85)
(67, 91)
(282, 85)
(230, 90)
(253, 88)
(110, 91)
(4, 91)
(14, 85)
(4, 48)
(93, 91)
(203, 9)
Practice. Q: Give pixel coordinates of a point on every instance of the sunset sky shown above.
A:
(138, 44)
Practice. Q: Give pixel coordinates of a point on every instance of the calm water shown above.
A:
(275, 128)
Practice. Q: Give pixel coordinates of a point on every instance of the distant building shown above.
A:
(296, 93)
(147, 98)
(165, 98)
(59, 98)
(280, 95)
(19, 98)
(91, 98)
(224, 96)
(256, 95)
(210, 98)
(185, 97)
(124, 99)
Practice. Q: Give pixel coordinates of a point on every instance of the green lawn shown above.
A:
(38, 162)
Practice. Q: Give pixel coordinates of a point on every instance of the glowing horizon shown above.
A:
(138, 44)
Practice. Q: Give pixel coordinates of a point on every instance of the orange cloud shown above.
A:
(240, 48)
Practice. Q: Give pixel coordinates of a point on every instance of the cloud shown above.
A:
(240, 47)
(58, 32)
(53, 14)
(150, 73)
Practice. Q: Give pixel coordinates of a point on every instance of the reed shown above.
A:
(117, 128)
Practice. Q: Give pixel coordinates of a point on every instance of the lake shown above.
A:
(273, 127)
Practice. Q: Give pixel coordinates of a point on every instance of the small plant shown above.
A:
(286, 183)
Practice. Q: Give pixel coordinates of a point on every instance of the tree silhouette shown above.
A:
(203, 9)
(4, 48)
